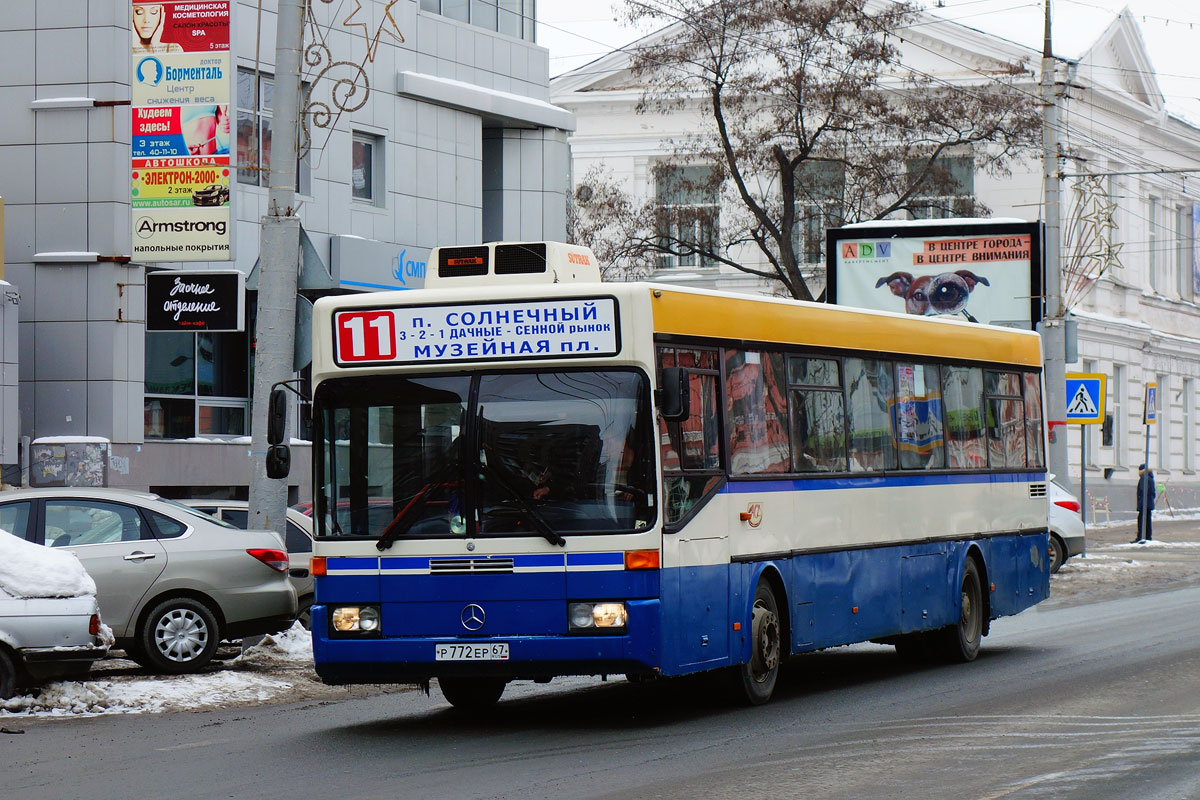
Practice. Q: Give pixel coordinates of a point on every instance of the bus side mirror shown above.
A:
(674, 396)
(279, 461)
(276, 416)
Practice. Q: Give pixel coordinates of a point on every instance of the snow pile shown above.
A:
(31, 570)
(278, 665)
(152, 695)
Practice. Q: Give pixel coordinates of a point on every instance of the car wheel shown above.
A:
(1058, 553)
(472, 694)
(179, 635)
(960, 642)
(758, 676)
(8, 675)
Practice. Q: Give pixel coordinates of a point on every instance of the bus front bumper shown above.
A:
(413, 659)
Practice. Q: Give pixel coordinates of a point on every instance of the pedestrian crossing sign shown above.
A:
(1085, 397)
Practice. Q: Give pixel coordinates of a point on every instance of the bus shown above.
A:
(521, 472)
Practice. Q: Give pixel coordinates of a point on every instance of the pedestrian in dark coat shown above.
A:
(1147, 493)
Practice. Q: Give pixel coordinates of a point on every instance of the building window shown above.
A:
(1153, 242)
(689, 214)
(514, 18)
(1189, 407)
(1163, 422)
(254, 131)
(946, 190)
(366, 168)
(197, 384)
(819, 187)
(1088, 433)
(1117, 405)
(1184, 241)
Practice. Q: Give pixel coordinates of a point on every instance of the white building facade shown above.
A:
(455, 143)
(1139, 323)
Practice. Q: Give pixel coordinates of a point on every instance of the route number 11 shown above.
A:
(366, 336)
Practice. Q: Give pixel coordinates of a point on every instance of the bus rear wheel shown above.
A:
(960, 642)
(758, 676)
(472, 694)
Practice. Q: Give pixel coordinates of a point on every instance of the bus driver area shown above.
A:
(522, 472)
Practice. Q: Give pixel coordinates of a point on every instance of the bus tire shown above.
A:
(758, 676)
(472, 694)
(960, 642)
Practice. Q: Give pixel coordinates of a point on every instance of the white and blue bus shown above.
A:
(521, 472)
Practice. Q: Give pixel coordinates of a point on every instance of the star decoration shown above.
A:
(386, 25)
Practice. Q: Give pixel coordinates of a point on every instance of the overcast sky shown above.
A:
(577, 31)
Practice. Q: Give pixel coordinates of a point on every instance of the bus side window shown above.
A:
(691, 449)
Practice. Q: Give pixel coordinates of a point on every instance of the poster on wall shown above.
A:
(62, 463)
(182, 172)
(979, 270)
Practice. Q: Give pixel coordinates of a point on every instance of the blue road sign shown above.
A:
(1085, 398)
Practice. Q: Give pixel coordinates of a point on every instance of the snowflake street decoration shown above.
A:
(351, 87)
(1089, 246)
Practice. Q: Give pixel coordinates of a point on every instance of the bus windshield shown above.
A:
(540, 453)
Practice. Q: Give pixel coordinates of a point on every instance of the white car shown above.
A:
(1066, 526)
(49, 621)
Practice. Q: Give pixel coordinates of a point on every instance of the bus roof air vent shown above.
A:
(507, 263)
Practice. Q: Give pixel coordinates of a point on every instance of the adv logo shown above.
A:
(866, 250)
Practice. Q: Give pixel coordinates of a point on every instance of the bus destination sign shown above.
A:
(528, 329)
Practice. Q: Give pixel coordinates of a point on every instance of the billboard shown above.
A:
(182, 177)
(209, 300)
(980, 270)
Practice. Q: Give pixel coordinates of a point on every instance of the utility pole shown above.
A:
(1053, 325)
(279, 259)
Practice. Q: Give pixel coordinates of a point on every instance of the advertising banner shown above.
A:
(210, 300)
(181, 169)
(978, 270)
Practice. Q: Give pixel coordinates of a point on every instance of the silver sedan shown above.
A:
(172, 583)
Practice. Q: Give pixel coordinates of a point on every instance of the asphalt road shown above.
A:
(1085, 700)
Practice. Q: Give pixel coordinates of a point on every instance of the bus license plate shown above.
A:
(491, 651)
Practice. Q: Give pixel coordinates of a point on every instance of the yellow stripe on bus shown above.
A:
(757, 320)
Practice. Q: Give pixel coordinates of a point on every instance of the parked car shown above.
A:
(298, 540)
(1066, 527)
(171, 582)
(49, 621)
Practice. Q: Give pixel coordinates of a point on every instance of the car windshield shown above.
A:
(539, 453)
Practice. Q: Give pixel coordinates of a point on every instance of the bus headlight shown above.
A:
(355, 619)
(605, 616)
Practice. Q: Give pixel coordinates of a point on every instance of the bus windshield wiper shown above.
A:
(532, 514)
(408, 516)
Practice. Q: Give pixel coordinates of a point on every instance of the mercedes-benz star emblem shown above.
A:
(473, 617)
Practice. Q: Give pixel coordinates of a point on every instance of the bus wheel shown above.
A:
(960, 642)
(472, 694)
(758, 677)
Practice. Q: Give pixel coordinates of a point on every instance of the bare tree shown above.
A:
(606, 219)
(809, 121)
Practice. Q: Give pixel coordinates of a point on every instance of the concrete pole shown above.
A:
(279, 260)
(1053, 327)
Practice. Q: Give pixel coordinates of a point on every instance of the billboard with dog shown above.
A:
(980, 270)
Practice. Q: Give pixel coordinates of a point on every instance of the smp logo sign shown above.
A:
(408, 272)
(866, 249)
